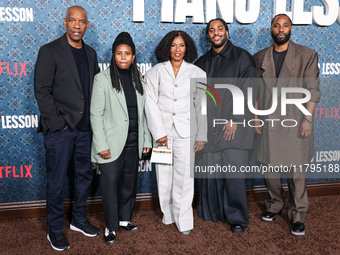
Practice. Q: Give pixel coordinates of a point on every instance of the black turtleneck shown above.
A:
(130, 97)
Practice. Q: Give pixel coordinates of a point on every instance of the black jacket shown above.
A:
(234, 66)
(57, 85)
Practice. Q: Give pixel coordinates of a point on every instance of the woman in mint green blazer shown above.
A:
(120, 134)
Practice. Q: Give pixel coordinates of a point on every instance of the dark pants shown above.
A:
(222, 197)
(62, 147)
(119, 184)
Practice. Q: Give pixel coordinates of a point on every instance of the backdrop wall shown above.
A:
(27, 25)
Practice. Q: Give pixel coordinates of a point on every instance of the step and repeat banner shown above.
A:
(26, 25)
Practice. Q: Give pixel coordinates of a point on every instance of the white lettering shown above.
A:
(16, 14)
(327, 156)
(138, 10)
(272, 121)
(184, 9)
(300, 17)
(167, 11)
(280, 8)
(297, 101)
(238, 97)
(247, 16)
(225, 8)
(262, 112)
(21, 121)
(219, 122)
(289, 120)
(328, 17)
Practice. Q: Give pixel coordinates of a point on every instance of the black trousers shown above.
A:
(224, 197)
(119, 184)
(62, 147)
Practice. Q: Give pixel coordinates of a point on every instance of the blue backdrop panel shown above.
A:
(22, 165)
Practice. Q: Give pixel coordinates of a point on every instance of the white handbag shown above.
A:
(161, 155)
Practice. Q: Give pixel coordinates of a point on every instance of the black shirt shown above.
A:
(279, 57)
(130, 98)
(82, 63)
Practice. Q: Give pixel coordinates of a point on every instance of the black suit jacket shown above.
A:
(57, 85)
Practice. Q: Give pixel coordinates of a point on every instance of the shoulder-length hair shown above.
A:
(116, 80)
(163, 49)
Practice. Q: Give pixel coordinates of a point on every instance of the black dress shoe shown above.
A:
(129, 227)
(237, 229)
(269, 216)
(110, 238)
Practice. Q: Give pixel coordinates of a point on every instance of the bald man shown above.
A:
(63, 80)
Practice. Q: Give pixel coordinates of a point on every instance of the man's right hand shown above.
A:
(105, 154)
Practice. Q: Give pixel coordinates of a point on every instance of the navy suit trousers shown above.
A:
(62, 148)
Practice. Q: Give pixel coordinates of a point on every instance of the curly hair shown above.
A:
(163, 48)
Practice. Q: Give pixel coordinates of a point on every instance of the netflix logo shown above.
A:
(16, 68)
(327, 113)
(16, 171)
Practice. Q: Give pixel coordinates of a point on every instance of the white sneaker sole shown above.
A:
(298, 233)
(72, 227)
(55, 248)
(268, 219)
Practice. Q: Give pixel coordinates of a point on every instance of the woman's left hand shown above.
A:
(199, 145)
(146, 150)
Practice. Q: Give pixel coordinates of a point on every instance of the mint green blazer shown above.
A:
(110, 120)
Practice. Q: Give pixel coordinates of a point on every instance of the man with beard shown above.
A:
(221, 196)
(289, 65)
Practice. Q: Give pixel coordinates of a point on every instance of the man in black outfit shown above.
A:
(224, 197)
(63, 80)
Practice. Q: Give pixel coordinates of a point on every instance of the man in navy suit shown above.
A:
(63, 80)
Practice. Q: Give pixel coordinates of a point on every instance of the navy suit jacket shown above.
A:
(57, 85)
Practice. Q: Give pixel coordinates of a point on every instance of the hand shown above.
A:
(257, 126)
(305, 129)
(199, 145)
(66, 127)
(105, 154)
(146, 150)
(229, 130)
(162, 141)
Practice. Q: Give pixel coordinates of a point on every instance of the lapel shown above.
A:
(119, 94)
(140, 102)
(67, 53)
(268, 68)
(287, 68)
(168, 68)
(289, 62)
(92, 71)
(182, 69)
